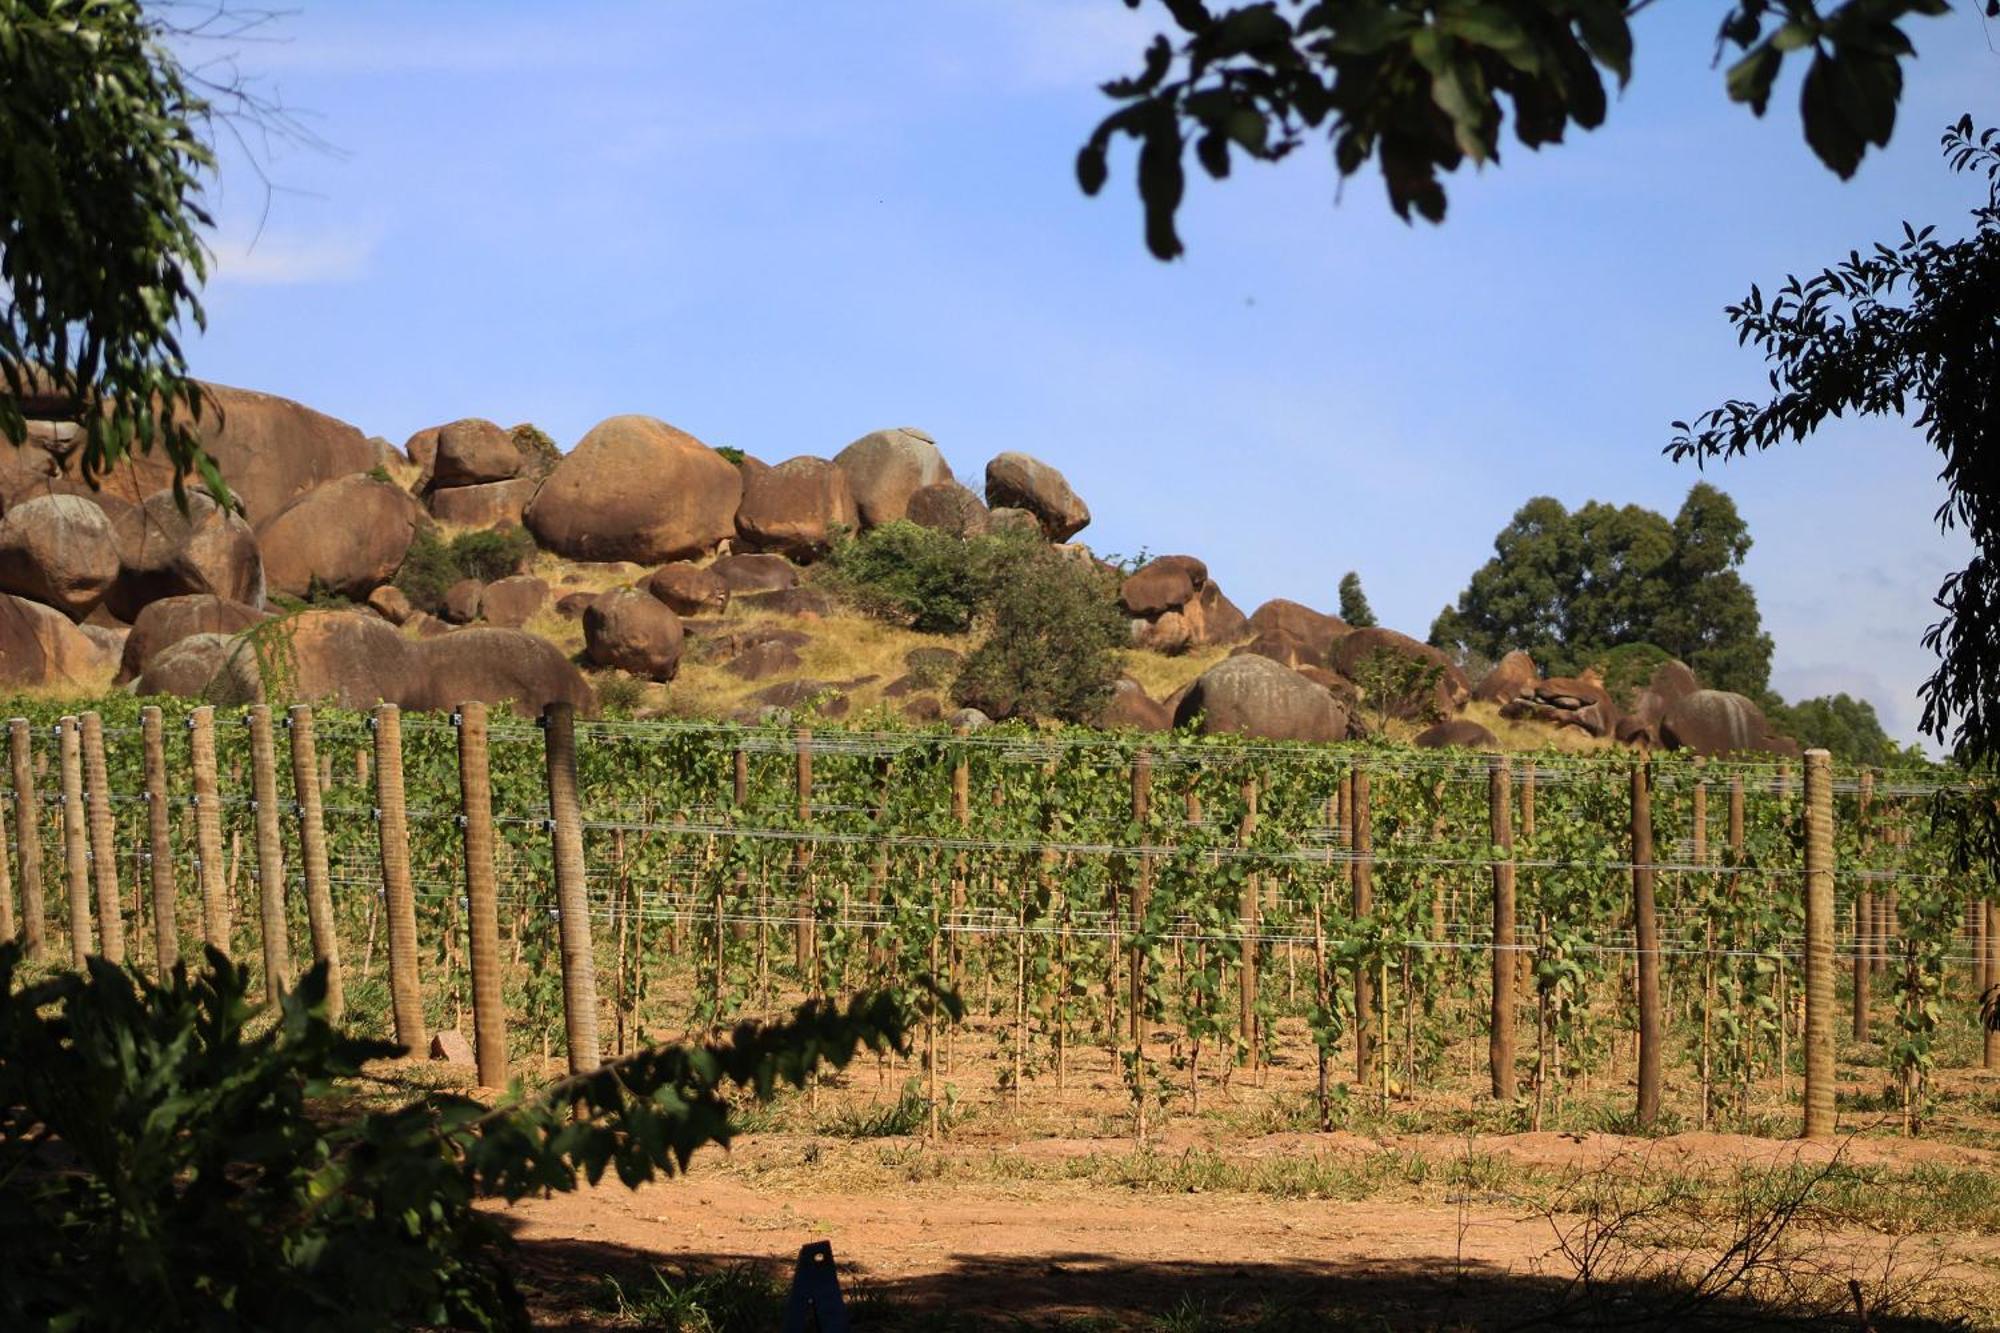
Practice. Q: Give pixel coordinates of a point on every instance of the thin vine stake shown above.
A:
(103, 842)
(209, 868)
(270, 856)
(307, 773)
(1699, 818)
(482, 909)
(406, 995)
(805, 928)
(159, 829)
(76, 860)
(572, 893)
(1500, 1031)
(1647, 942)
(1365, 1035)
(27, 838)
(1819, 1081)
(1864, 908)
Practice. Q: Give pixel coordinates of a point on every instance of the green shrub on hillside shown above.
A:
(928, 580)
(1051, 641)
(1628, 669)
(535, 444)
(433, 564)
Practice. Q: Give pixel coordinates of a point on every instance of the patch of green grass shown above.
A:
(738, 1299)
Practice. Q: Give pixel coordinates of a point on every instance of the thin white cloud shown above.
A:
(287, 260)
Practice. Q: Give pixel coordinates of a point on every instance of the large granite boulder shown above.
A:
(1166, 584)
(509, 602)
(164, 551)
(1712, 722)
(637, 489)
(1020, 481)
(1295, 635)
(496, 504)
(346, 537)
(1567, 701)
(1509, 677)
(1130, 708)
(352, 659)
(742, 574)
(949, 506)
(1420, 680)
(633, 631)
(474, 452)
(41, 648)
(1251, 695)
(796, 508)
(886, 467)
(496, 666)
(186, 667)
(689, 589)
(59, 550)
(164, 623)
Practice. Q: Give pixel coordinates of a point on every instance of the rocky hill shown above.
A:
(646, 571)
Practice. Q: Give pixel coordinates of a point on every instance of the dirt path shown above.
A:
(1042, 1250)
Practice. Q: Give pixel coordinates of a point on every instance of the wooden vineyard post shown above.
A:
(1646, 941)
(805, 920)
(1864, 910)
(159, 829)
(8, 925)
(1700, 821)
(1990, 1056)
(76, 861)
(1362, 820)
(103, 842)
(1500, 1031)
(270, 855)
(482, 908)
(27, 837)
(1246, 921)
(1819, 1108)
(572, 893)
(406, 996)
(1142, 895)
(306, 775)
(208, 867)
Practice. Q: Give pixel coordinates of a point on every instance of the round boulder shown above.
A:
(509, 602)
(1510, 675)
(496, 666)
(755, 573)
(689, 589)
(59, 550)
(1166, 584)
(1132, 709)
(635, 488)
(474, 452)
(41, 647)
(1713, 722)
(461, 602)
(1019, 481)
(164, 552)
(1288, 632)
(1421, 678)
(796, 508)
(346, 537)
(186, 668)
(886, 467)
(1457, 734)
(353, 659)
(949, 506)
(633, 631)
(390, 603)
(497, 504)
(1254, 696)
(164, 623)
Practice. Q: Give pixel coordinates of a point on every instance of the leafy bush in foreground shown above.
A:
(163, 1167)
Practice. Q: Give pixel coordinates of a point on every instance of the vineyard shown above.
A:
(1185, 912)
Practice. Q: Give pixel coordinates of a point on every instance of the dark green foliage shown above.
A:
(1628, 669)
(1399, 685)
(1423, 86)
(1844, 726)
(433, 563)
(1050, 647)
(618, 694)
(1909, 325)
(738, 1299)
(101, 160)
(731, 453)
(1354, 608)
(1569, 587)
(929, 580)
(162, 1168)
(535, 444)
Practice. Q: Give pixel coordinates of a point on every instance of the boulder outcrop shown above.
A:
(1020, 481)
(886, 467)
(796, 507)
(1253, 696)
(165, 552)
(40, 647)
(164, 623)
(635, 488)
(58, 550)
(633, 631)
(346, 537)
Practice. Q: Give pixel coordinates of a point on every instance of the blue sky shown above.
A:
(780, 226)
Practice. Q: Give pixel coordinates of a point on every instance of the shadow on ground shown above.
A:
(579, 1285)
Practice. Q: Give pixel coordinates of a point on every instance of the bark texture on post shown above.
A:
(1361, 815)
(482, 907)
(406, 996)
(1500, 1028)
(215, 913)
(76, 860)
(159, 828)
(572, 893)
(103, 842)
(1646, 939)
(306, 774)
(270, 856)
(1864, 911)
(1819, 1108)
(27, 837)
